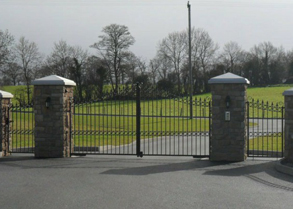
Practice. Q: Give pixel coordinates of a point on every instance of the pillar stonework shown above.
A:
(53, 110)
(5, 134)
(229, 118)
(288, 152)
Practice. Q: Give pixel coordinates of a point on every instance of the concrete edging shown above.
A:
(283, 168)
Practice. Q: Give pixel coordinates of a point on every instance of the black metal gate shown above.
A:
(142, 121)
(22, 129)
(265, 129)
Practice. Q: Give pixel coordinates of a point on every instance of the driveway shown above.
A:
(149, 182)
(265, 127)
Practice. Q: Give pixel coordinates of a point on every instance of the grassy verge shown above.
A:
(266, 143)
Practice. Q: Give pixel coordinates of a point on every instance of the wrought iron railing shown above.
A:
(22, 129)
(265, 129)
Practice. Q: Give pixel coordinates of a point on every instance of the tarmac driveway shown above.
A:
(149, 182)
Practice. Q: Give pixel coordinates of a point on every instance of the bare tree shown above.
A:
(28, 58)
(265, 56)
(154, 66)
(289, 63)
(60, 60)
(96, 78)
(114, 42)
(77, 69)
(173, 48)
(141, 64)
(232, 57)
(265, 64)
(7, 65)
(129, 68)
(164, 68)
(203, 55)
(6, 41)
(68, 61)
(11, 72)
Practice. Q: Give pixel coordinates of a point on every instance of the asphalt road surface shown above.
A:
(151, 182)
(266, 126)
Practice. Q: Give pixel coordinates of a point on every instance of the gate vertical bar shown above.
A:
(247, 106)
(282, 132)
(8, 127)
(210, 127)
(138, 110)
(7, 124)
(71, 106)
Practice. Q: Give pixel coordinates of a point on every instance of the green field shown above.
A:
(268, 94)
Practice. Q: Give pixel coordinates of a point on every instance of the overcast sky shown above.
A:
(80, 22)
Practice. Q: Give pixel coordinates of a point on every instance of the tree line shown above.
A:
(115, 65)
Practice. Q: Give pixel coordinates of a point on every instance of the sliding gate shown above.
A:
(135, 121)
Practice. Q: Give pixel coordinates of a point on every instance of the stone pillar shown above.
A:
(229, 119)
(288, 154)
(53, 116)
(5, 135)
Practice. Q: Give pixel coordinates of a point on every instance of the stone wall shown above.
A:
(228, 141)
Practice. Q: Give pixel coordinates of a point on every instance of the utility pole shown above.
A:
(190, 68)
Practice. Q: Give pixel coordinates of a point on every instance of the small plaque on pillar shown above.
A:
(227, 116)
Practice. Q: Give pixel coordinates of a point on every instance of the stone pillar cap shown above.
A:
(288, 92)
(5, 95)
(53, 80)
(228, 78)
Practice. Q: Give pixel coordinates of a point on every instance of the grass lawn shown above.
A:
(266, 143)
(272, 94)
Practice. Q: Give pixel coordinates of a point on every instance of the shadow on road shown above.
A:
(247, 169)
(16, 158)
(149, 166)
(160, 168)
(210, 168)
